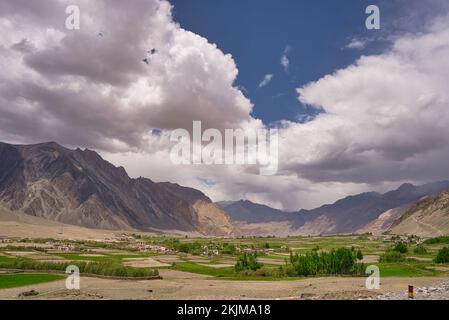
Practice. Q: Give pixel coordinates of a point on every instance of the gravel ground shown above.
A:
(177, 285)
(438, 292)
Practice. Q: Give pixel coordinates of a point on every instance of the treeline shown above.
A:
(341, 261)
(95, 268)
(438, 240)
(398, 252)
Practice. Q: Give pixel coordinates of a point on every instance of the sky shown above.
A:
(312, 35)
(357, 110)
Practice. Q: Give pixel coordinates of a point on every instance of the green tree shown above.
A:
(400, 247)
(420, 249)
(359, 255)
(442, 255)
(247, 261)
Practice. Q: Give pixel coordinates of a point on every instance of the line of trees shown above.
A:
(342, 261)
(97, 268)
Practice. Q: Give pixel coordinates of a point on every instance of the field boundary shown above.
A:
(90, 275)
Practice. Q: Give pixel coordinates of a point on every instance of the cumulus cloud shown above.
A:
(385, 116)
(56, 81)
(266, 80)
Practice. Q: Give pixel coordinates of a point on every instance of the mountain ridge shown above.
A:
(347, 215)
(79, 187)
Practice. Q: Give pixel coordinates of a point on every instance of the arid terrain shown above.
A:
(196, 268)
(187, 286)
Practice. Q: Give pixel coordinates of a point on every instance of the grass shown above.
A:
(407, 269)
(199, 269)
(6, 259)
(225, 273)
(20, 280)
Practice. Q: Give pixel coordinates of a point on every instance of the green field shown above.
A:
(6, 259)
(217, 257)
(20, 280)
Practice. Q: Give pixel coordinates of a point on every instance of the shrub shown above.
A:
(247, 261)
(442, 256)
(229, 248)
(420, 249)
(288, 270)
(29, 293)
(400, 247)
(392, 256)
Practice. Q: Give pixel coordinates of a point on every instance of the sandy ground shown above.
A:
(217, 265)
(370, 259)
(271, 261)
(144, 263)
(34, 255)
(181, 285)
(167, 259)
(15, 225)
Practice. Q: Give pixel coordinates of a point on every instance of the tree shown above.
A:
(247, 261)
(442, 255)
(401, 247)
(420, 249)
(359, 255)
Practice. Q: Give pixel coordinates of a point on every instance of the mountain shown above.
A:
(365, 212)
(249, 212)
(78, 187)
(353, 213)
(384, 222)
(427, 218)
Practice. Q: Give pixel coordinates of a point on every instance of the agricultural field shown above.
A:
(216, 263)
(20, 280)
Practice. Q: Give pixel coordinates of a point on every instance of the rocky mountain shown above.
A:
(427, 218)
(384, 222)
(78, 187)
(249, 212)
(364, 212)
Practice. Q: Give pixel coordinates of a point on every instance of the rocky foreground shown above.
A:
(439, 292)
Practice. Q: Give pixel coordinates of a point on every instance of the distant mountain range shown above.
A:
(79, 187)
(366, 212)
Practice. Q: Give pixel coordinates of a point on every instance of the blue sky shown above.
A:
(256, 33)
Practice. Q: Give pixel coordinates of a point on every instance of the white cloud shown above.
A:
(386, 118)
(285, 61)
(266, 80)
(356, 44)
(58, 81)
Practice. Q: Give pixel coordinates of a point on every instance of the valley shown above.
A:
(205, 268)
(140, 239)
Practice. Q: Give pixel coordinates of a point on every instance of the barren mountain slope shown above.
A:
(428, 218)
(79, 187)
